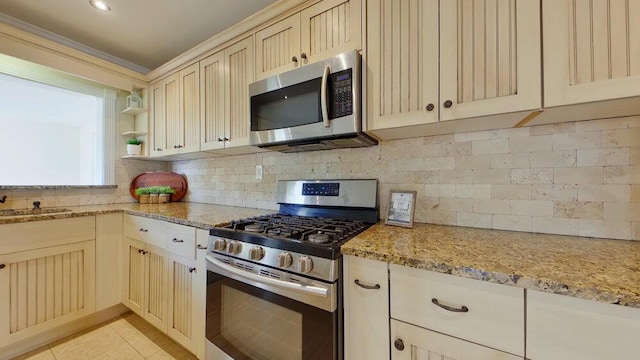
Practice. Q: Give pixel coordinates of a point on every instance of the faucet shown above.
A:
(4, 198)
(36, 205)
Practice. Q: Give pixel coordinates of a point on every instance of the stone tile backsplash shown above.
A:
(578, 178)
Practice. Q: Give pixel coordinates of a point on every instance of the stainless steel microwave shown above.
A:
(314, 107)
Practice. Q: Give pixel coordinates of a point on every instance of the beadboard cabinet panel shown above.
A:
(240, 65)
(189, 123)
(276, 46)
(182, 303)
(591, 50)
(402, 62)
(45, 288)
(212, 92)
(490, 57)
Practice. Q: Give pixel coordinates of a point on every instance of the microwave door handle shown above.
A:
(305, 289)
(323, 96)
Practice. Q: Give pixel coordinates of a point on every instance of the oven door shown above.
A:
(251, 319)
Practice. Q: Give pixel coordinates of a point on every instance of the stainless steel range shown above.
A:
(274, 281)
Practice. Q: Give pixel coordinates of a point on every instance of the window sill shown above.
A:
(46, 187)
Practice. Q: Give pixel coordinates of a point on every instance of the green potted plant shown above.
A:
(154, 194)
(165, 193)
(134, 146)
(143, 194)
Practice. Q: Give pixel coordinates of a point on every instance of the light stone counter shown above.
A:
(595, 269)
(204, 216)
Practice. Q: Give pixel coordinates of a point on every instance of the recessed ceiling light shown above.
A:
(100, 5)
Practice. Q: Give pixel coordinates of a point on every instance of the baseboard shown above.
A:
(26, 345)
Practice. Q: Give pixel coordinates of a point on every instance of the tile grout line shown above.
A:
(125, 340)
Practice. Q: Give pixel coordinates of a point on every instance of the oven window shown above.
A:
(287, 107)
(247, 322)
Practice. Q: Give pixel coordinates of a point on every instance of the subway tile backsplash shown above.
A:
(573, 178)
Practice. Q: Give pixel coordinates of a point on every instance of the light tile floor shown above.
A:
(127, 337)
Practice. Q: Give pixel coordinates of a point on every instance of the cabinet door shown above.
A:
(165, 124)
(402, 63)
(489, 57)
(109, 265)
(591, 50)
(239, 60)
(561, 327)
(181, 301)
(156, 282)
(366, 308)
(410, 342)
(45, 288)
(330, 27)
(277, 46)
(200, 292)
(212, 100)
(133, 284)
(188, 126)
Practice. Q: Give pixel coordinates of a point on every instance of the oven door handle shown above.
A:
(305, 289)
(323, 96)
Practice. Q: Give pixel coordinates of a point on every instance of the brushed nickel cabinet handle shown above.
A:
(201, 247)
(175, 240)
(463, 309)
(368, 287)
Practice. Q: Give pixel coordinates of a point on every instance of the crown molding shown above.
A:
(250, 23)
(45, 34)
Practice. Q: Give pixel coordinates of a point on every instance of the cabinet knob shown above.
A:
(143, 230)
(303, 56)
(448, 104)
(294, 59)
(220, 140)
(2, 266)
(226, 138)
(191, 269)
(398, 344)
(430, 107)
(158, 149)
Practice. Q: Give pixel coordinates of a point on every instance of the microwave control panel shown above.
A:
(341, 94)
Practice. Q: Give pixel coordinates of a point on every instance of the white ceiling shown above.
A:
(143, 33)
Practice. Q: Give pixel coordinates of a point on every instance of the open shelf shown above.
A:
(133, 111)
(133, 157)
(134, 133)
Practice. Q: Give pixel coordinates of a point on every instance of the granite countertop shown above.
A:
(204, 216)
(595, 269)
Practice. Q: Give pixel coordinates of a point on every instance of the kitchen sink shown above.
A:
(22, 212)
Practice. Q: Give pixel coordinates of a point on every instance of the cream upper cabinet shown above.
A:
(175, 113)
(366, 308)
(591, 50)
(565, 328)
(320, 31)
(483, 59)
(225, 78)
(410, 342)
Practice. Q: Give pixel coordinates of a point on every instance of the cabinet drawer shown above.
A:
(137, 227)
(180, 240)
(561, 327)
(39, 234)
(494, 313)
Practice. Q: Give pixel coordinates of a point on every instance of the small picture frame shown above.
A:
(402, 206)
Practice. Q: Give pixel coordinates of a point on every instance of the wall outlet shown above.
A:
(258, 172)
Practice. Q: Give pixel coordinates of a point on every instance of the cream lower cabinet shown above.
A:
(322, 30)
(224, 105)
(182, 279)
(366, 308)
(411, 342)
(47, 276)
(430, 61)
(565, 328)
(145, 282)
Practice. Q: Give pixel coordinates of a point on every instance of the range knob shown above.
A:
(284, 259)
(234, 247)
(256, 253)
(219, 244)
(305, 265)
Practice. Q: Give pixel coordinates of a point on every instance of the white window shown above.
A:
(50, 135)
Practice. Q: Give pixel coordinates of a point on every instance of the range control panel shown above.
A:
(341, 94)
(321, 189)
